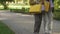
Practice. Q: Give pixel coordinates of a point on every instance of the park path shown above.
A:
(22, 23)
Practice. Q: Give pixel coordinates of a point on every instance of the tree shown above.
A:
(3, 2)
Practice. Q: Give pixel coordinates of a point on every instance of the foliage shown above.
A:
(18, 10)
(56, 4)
(57, 14)
(3, 2)
(57, 9)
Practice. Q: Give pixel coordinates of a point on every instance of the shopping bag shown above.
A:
(47, 6)
(35, 8)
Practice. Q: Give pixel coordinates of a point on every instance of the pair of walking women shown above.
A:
(47, 18)
(47, 22)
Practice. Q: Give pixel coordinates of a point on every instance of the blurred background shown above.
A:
(22, 6)
(15, 19)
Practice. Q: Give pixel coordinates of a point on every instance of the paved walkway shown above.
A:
(23, 24)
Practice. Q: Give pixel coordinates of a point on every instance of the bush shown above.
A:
(18, 10)
(57, 14)
(23, 10)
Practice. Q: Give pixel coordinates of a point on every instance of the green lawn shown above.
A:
(4, 29)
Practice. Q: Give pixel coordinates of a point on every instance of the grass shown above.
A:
(4, 29)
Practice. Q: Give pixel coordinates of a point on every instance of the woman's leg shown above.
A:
(38, 20)
(45, 20)
(48, 21)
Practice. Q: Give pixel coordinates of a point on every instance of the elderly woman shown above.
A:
(47, 18)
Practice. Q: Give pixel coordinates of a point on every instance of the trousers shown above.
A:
(47, 19)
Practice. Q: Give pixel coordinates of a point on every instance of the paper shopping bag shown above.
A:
(47, 5)
(35, 8)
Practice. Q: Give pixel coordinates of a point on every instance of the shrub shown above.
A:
(57, 14)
